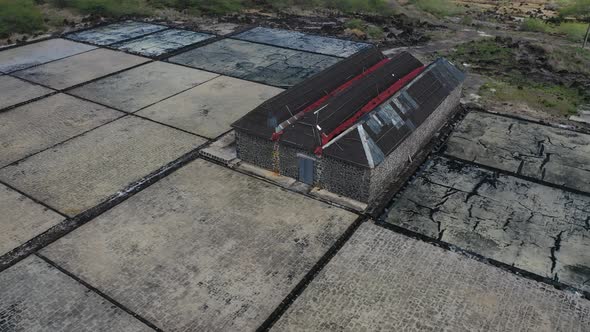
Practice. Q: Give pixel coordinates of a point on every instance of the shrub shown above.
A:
(109, 8)
(375, 32)
(466, 20)
(551, 98)
(19, 16)
(487, 50)
(198, 6)
(358, 6)
(535, 25)
(568, 59)
(573, 31)
(382, 7)
(439, 8)
(355, 23)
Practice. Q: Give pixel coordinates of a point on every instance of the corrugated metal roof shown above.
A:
(389, 124)
(301, 41)
(307, 132)
(263, 120)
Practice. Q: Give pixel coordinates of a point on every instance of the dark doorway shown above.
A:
(306, 166)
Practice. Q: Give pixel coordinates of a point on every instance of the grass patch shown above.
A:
(355, 23)
(24, 16)
(439, 8)
(511, 79)
(466, 20)
(119, 8)
(196, 7)
(535, 25)
(19, 16)
(106, 8)
(375, 32)
(382, 7)
(569, 59)
(486, 51)
(363, 27)
(552, 99)
(573, 31)
(355, 6)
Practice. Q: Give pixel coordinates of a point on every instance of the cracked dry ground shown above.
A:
(509, 190)
(553, 155)
(261, 63)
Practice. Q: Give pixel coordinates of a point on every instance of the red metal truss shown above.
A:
(276, 136)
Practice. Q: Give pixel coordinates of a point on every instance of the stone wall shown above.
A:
(259, 152)
(394, 164)
(343, 178)
(331, 174)
(254, 150)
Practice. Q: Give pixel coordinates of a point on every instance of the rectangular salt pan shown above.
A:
(114, 33)
(162, 42)
(304, 42)
(256, 62)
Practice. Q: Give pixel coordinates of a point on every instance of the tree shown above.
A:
(579, 9)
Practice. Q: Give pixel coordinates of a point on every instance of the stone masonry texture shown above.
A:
(204, 249)
(37, 297)
(383, 281)
(21, 219)
(83, 172)
(15, 91)
(33, 127)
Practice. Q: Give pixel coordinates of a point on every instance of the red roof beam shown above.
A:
(380, 99)
(320, 101)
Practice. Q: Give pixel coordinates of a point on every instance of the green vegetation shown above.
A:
(569, 59)
(355, 23)
(485, 51)
(372, 31)
(375, 32)
(511, 80)
(382, 7)
(19, 16)
(575, 8)
(574, 31)
(439, 8)
(579, 9)
(225, 6)
(550, 98)
(535, 25)
(24, 16)
(107, 8)
(466, 20)
(200, 6)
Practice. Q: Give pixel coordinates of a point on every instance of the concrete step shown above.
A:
(581, 118)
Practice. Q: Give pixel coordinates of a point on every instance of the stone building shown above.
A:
(353, 128)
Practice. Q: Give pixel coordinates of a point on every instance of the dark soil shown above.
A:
(517, 59)
(400, 30)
